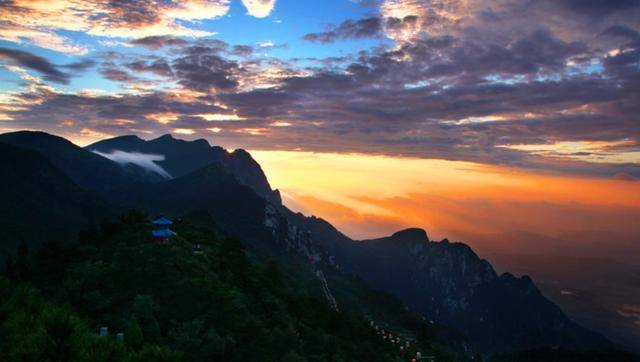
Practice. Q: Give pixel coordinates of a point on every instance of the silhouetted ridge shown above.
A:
(39, 202)
(411, 235)
(165, 137)
(182, 157)
(87, 169)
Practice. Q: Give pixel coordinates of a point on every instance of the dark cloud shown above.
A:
(118, 75)
(109, 114)
(242, 50)
(397, 24)
(205, 72)
(158, 42)
(31, 61)
(598, 8)
(81, 65)
(129, 14)
(621, 31)
(348, 29)
(205, 46)
(158, 67)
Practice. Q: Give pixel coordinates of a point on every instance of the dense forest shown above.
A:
(119, 295)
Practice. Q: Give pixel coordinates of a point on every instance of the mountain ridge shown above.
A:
(446, 283)
(183, 157)
(40, 208)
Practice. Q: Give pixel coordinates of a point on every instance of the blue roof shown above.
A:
(162, 221)
(163, 233)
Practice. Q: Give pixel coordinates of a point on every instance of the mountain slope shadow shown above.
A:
(39, 202)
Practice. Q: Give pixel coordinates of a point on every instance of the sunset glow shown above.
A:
(486, 206)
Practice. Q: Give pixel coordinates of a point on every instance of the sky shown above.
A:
(494, 209)
(510, 123)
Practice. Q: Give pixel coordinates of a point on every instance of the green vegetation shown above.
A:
(32, 329)
(171, 302)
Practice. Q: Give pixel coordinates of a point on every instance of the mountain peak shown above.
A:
(202, 141)
(411, 235)
(167, 136)
(127, 137)
(34, 137)
(241, 153)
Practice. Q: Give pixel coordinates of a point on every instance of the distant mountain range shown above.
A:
(57, 187)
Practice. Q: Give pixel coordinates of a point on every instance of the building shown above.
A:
(161, 230)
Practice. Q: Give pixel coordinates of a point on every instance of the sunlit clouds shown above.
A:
(474, 81)
(38, 22)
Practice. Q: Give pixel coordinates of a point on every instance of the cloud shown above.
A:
(43, 38)
(259, 8)
(206, 72)
(146, 161)
(81, 65)
(459, 80)
(348, 29)
(158, 67)
(118, 75)
(158, 42)
(39, 21)
(500, 20)
(35, 62)
(598, 8)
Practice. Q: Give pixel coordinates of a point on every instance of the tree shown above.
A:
(101, 349)
(292, 356)
(61, 335)
(155, 354)
(273, 273)
(144, 309)
(134, 338)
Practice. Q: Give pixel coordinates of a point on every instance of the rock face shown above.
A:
(447, 283)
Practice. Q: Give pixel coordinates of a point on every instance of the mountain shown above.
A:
(448, 283)
(88, 170)
(173, 302)
(179, 158)
(236, 208)
(39, 202)
(445, 283)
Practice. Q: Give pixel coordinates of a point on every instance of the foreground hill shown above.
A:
(445, 283)
(212, 303)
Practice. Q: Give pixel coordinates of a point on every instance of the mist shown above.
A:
(144, 160)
